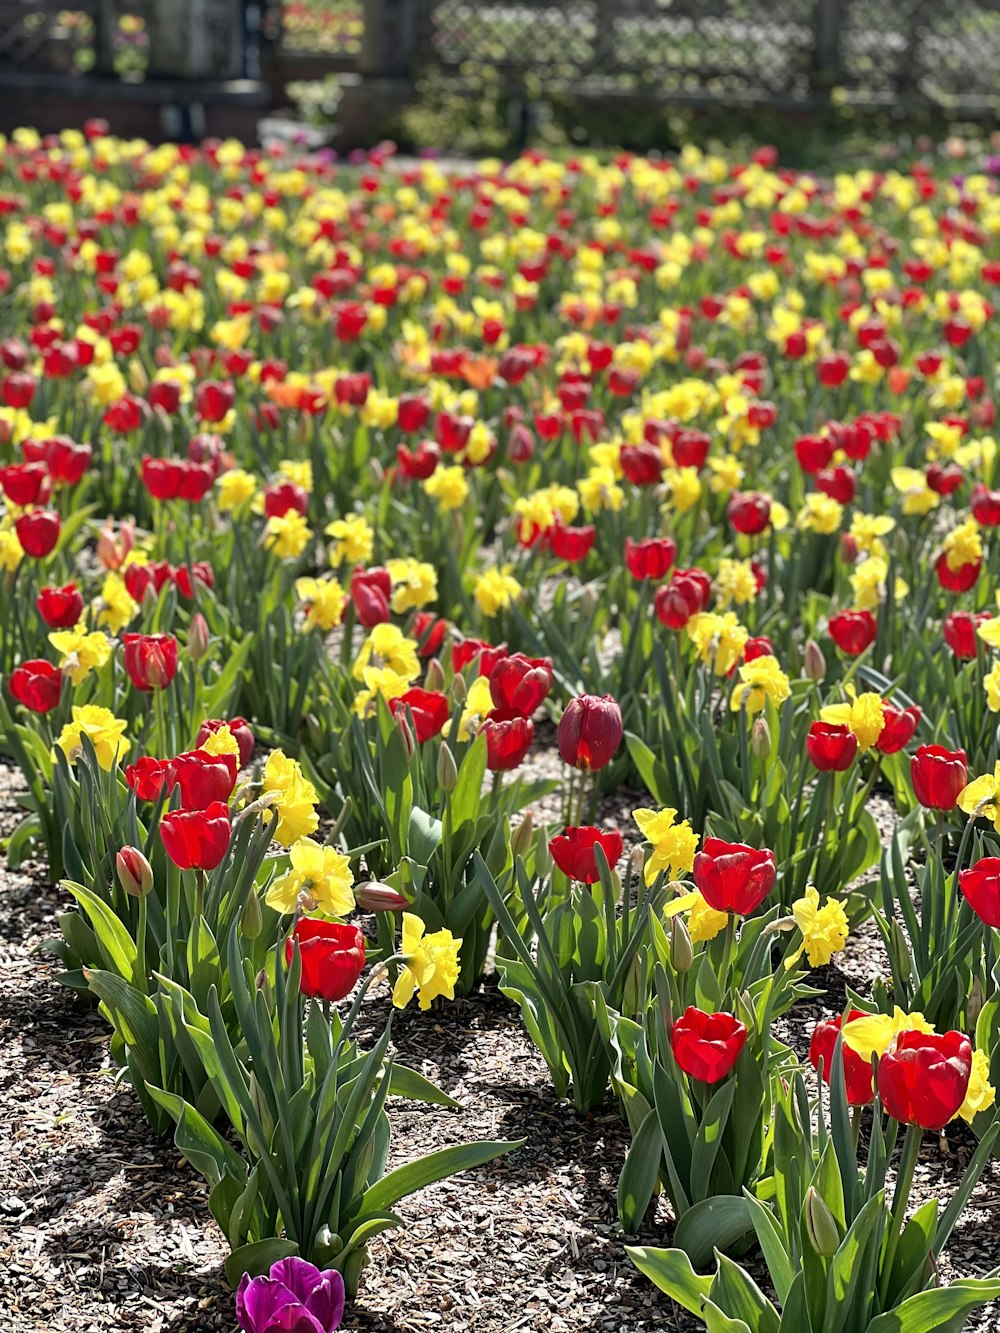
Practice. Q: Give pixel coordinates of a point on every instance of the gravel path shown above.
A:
(102, 1228)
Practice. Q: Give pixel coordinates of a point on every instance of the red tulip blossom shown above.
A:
(923, 1077)
(508, 740)
(853, 631)
(203, 779)
(430, 710)
(520, 684)
(733, 877)
(651, 558)
(707, 1046)
(938, 776)
(831, 748)
(150, 660)
(573, 852)
(60, 608)
(959, 632)
(590, 731)
(36, 684)
(898, 727)
(857, 1071)
(197, 839)
(749, 513)
(980, 885)
(332, 954)
(38, 532)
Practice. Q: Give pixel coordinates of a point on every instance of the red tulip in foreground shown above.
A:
(203, 779)
(980, 886)
(733, 877)
(590, 731)
(938, 776)
(60, 608)
(36, 684)
(923, 1077)
(197, 839)
(706, 1046)
(573, 852)
(853, 631)
(333, 957)
(150, 660)
(831, 747)
(857, 1071)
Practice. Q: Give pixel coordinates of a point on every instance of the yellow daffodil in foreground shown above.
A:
(319, 881)
(353, 540)
(761, 679)
(704, 921)
(674, 844)
(80, 652)
(981, 797)
(430, 967)
(105, 732)
(287, 535)
(981, 1093)
(871, 1035)
(293, 798)
(824, 929)
(324, 600)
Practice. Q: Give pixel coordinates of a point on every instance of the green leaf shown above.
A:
(638, 1177)
(734, 1289)
(431, 1168)
(408, 1083)
(671, 1271)
(772, 1244)
(115, 941)
(712, 1224)
(257, 1258)
(942, 1310)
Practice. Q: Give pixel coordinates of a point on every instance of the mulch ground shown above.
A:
(103, 1228)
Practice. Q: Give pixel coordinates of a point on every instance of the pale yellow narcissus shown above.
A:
(430, 965)
(291, 796)
(496, 590)
(319, 881)
(105, 732)
(824, 929)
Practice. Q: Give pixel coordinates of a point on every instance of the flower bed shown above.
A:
(542, 573)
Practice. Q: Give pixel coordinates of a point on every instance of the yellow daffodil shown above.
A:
(431, 964)
(673, 843)
(318, 882)
(105, 731)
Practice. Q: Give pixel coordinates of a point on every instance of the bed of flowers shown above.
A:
(365, 530)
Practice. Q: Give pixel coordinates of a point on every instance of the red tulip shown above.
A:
(686, 594)
(520, 684)
(898, 727)
(923, 1077)
(750, 513)
(484, 654)
(985, 506)
(956, 580)
(413, 413)
(706, 1046)
(590, 731)
(162, 477)
(38, 532)
(832, 370)
(938, 776)
(651, 558)
(430, 710)
(150, 660)
(840, 483)
(980, 885)
(759, 646)
(147, 777)
(508, 740)
(155, 574)
(213, 399)
(733, 877)
(352, 390)
(573, 852)
(241, 733)
(186, 576)
(36, 684)
(332, 955)
(370, 593)
(197, 839)
(857, 1071)
(26, 483)
(203, 779)
(281, 496)
(641, 463)
(429, 633)
(959, 632)
(944, 478)
(60, 608)
(420, 463)
(570, 544)
(831, 748)
(852, 631)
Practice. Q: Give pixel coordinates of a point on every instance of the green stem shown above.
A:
(904, 1179)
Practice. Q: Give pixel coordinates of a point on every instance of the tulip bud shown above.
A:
(264, 986)
(150, 600)
(824, 1234)
(681, 949)
(760, 739)
(974, 1004)
(589, 601)
(813, 662)
(199, 637)
(135, 874)
(317, 738)
(447, 769)
(543, 859)
(522, 837)
(434, 676)
(633, 996)
(253, 921)
(459, 689)
(406, 735)
(375, 897)
(900, 949)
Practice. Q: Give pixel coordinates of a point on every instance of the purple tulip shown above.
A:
(295, 1297)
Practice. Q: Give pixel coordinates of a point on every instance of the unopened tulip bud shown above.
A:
(522, 837)
(900, 949)
(264, 986)
(434, 676)
(406, 734)
(199, 637)
(633, 995)
(150, 600)
(447, 769)
(135, 874)
(253, 921)
(824, 1234)
(376, 897)
(459, 689)
(760, 739)
(681, 949)
(974, 1004)
(813, 662)
(589, 601)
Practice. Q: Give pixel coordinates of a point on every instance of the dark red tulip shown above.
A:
(150, 660)
(370, 593)
(832, 370)
(60, 608)
(831, 748)
(36, 684)
(853, 631)
(840, 483)
(38, 532)
(938, 776)
(749, 514)
(944, 478)
(898, 727)
(197, 839)
(590, 731)
(26, 483)
(155, 574)
(413, 413)
(573, 852)
(484, 654)
(642, 463)
(707, 1046)
(923, 1077)
(420, 463)
(733, 877)
(508, 740)
(147, 777)
(857, 1071)
(985, 506)
(282, 496)
(959, 632)
(213, 399)
(651, 558)
(332, 954)
(686, 594)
